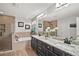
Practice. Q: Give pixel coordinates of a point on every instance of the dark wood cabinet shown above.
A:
(67, 54)
(41, 48)
(39, 52)
(34, 43)
(58, 52)
(44, 49)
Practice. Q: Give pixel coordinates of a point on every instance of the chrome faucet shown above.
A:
(68, 41)
(71, 38)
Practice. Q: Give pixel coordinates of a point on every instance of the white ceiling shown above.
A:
(23, 10)
(70, 11)
(26, 11)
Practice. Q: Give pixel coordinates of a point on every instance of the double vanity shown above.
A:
(52, 47)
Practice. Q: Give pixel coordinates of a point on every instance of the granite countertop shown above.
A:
(69, 48)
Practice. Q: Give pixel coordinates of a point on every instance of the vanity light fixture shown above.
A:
(61, 5)
(58, 5)
(40, 15)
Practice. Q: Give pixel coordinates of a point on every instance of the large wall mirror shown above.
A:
(51, 27)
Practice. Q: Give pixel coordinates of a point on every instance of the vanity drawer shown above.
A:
(40, 53)
(52, 48)
(67, 54)
(40, 42)
(58, 52)
(47, 46)
(49, 53)
(41, 49)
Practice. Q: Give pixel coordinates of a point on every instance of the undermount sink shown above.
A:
(70, 47)
(66, 46)
(76, 42)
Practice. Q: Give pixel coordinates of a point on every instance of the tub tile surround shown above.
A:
(69, 48)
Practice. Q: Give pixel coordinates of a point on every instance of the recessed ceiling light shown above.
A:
(40, 15)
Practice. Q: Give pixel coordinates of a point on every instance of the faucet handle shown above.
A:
(67, 41)
(71, 37)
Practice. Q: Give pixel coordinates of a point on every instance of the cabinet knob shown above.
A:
(47, 46)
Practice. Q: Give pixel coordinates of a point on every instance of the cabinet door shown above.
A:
(49, 53)
(67, 54)
(47, 46)
(40, 52)
(53, 54)
(58, 52)
(49, 50)
(32, 43)
(41, 47)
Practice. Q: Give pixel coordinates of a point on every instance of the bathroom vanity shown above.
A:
(52, 47)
